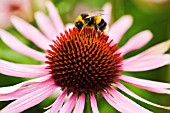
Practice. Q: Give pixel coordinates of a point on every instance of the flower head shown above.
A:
(81, 63)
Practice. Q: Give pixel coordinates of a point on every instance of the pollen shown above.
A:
(83, 62)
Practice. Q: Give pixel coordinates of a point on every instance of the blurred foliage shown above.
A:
(155, 17)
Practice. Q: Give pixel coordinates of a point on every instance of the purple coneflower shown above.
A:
(82, 64)
(21, 8)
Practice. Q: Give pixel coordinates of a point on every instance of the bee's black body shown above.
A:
(86, 20)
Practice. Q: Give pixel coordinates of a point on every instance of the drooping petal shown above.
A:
(10, 89)
(155, 50)
(55, 17)
(58, 103)
(122, 103)
(18, 46)
(79, 108)
(45, 25)
(29, 100)
(149, 85)
(23, 89)
(22, 70)
(19, 93)
(30, 32)
(123, 88)
(107, 12)
(136, 42)
(69, 105)
(93, 104)
(119, 28)
(147, 63)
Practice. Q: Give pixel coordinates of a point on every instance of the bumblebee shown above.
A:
(92, 20)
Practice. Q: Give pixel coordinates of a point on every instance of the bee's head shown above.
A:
(79, 24)
(81, 20)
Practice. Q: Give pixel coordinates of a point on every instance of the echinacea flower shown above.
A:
(21, 8)
(82, 64)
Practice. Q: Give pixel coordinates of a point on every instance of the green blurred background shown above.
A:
(147, 15)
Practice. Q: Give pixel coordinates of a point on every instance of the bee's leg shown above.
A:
(96, 28)
(81, 30)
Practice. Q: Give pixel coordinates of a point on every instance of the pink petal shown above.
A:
(30, 32)
(107, 12)
(155, 50)
(136, 42)
(119, 28)
(10, 89)
(123, 88)
(149, 85)
(18, 46)
(113, 103)
(22, 89)
(147, 63)
(122, 103)
(69, 105)
(45, 25)
(93, 104)
(29, 100)
(55, 17)
(58, 103)
(79, 108)
(22, 70)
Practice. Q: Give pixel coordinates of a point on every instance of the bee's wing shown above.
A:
(96, 13)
